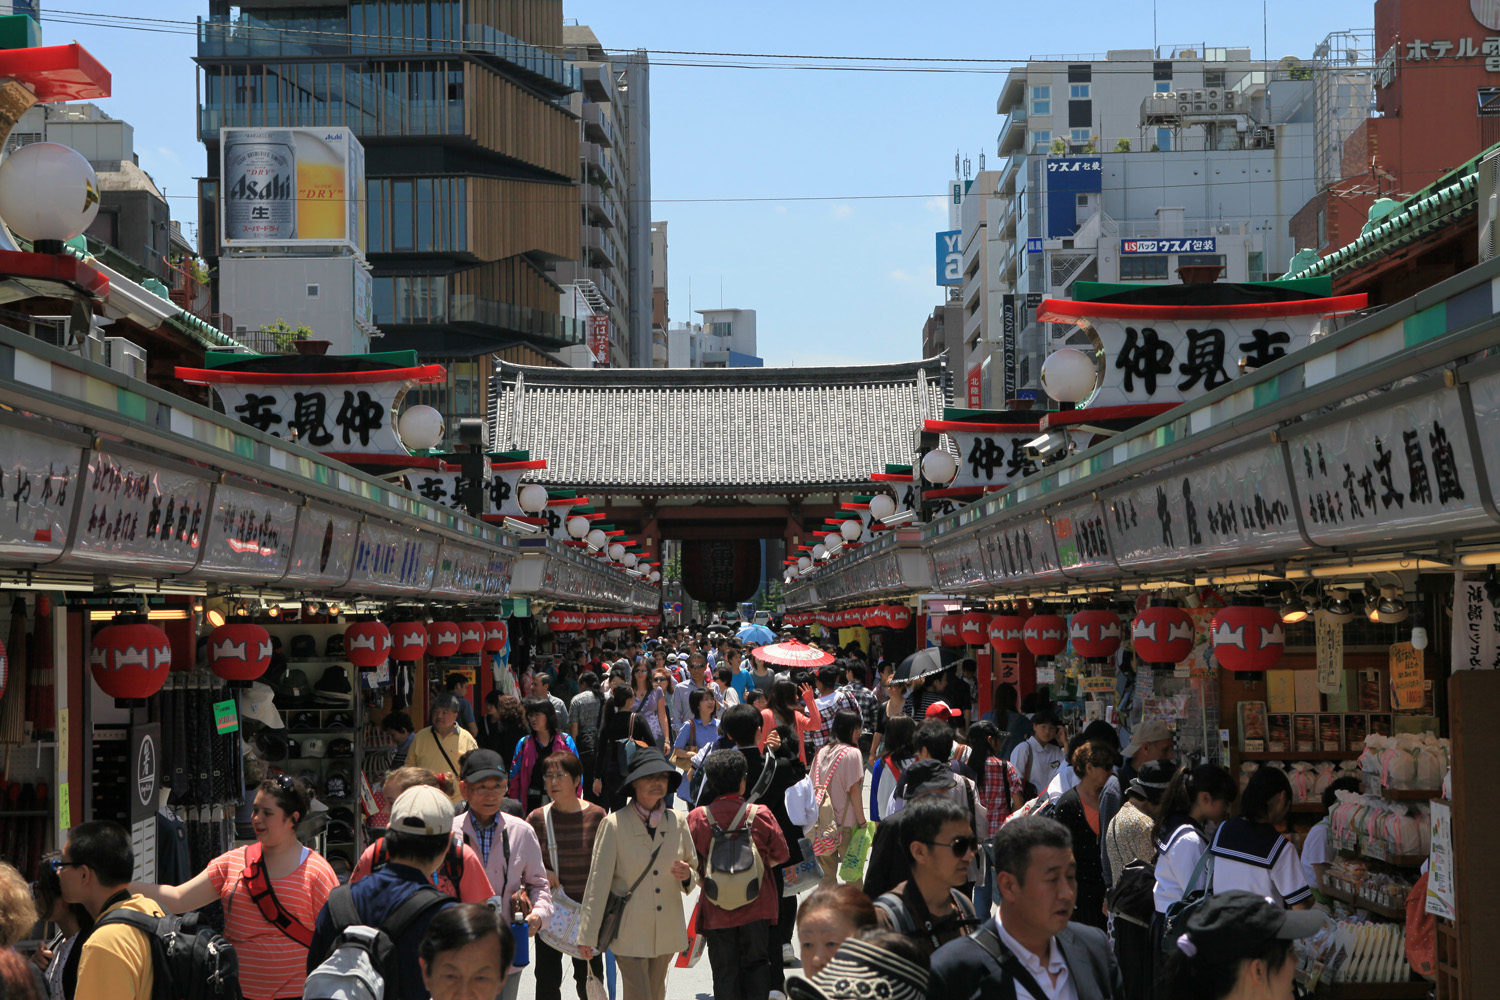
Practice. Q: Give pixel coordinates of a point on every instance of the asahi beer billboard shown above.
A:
(290, 186)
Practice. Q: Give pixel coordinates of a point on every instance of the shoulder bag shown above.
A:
(1193, 895)
(614, 906)
(625, 748)
(561, 930)
(827, 831)
(681, 757)
(258, 887)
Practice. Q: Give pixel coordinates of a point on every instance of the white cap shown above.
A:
(422, 810)
(256, 704)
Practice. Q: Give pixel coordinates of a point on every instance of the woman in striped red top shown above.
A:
(272, 892)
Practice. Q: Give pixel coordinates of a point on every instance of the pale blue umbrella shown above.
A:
(758, 634)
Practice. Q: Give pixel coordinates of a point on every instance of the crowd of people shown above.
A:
(601, 786)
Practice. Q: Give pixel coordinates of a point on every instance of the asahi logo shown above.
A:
(145, 772)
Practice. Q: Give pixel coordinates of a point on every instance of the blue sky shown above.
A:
(834, 281)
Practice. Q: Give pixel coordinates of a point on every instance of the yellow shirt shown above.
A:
(115, 963)
(424, 752)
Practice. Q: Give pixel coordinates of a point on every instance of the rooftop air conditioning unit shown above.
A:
(1214, 94)
(1489, 205)
(126, 357)
(1213, 105)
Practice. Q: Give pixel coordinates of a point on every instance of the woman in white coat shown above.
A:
(646, 840)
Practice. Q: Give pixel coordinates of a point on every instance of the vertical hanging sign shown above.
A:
(1474, 631)
(1008, 344)
(1330, 647)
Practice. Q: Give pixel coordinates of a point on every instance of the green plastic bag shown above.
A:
(853, 867)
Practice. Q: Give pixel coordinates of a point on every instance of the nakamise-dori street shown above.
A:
(405, 597)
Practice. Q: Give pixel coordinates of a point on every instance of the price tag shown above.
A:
(1046, 675)
(64, 806)
(1406, 676)
(1096, 685)
(225, 717)
(1330, 650)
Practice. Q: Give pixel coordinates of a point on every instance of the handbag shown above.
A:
(1131, 898)
(625, 748)
(828, 829)
(802, 877)
(853, 867)
(595, 989)
(697, 942)
(681, 757)
(561, 929)
(1192, 898)
(614, 906)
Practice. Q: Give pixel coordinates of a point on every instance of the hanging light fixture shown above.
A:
(532, 498)
(1419, 628)
(938, 467)
(819, 551)
(1293, 608)
(578, 527)
(832, 539)
(597, 538)
(1391, 607)
(1372, 604)
(882, 506)
(1338, 607)
(851, 530)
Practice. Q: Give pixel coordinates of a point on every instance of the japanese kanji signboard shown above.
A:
(249, 535)
(1476, 627)
(1021, 551)
(990, 455)
(1083, 540)
(38, 482)
(1398, 465)
(322, 547)
(391, 560)
(149, 513)
(957, 565)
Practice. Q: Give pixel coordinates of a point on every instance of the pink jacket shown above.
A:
(525, 869)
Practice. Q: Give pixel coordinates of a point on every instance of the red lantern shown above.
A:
(442, 638)
(948, 630)
(1095, 633)
(496, 636)
(1162, 635)
(900, 616)
(877, 617)
(367, 644)
(974, 627)
(1247, 637)
(408, 641)
(130, 661)
(1006, 633)
(239, 652)
(1045, 635)
(470, 638)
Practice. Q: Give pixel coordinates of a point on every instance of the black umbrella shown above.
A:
(925, 662)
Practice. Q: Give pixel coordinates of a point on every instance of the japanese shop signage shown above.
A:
(136, 512)
(391, 560)
(294, 186)
(1189, 244)
(1171, 354)
(1387, 470)
(989, 455)
(1442, 50)
(599, 338)
(1021, 552)
(38, 485)
(1231, 506)
(249, 535)
(1082, 541)
(1476, 627)
(950, 258)
(322, 546)
(463, 571)
(957, 564)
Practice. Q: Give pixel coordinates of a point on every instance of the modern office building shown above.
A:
(943, 331)
(134, 217)
(659, 302)
(471, 160)
(614, 271)
(724, 339)
(1124, 167)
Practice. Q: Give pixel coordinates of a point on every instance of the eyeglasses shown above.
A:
(563, 776)
(960, 846)
(58, 864)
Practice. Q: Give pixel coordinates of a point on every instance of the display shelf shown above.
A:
(1312, 808)
(1377, 854)
(1293, 755)
(1389, 912)
(1411, 794)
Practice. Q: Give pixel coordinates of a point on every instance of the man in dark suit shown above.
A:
(1031, 951)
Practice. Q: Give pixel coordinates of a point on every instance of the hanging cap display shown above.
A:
(259, 704)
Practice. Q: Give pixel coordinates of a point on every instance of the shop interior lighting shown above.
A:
(198, 606)
(1390, 608)
(274, 611)
(1372, 604)
(1487, 558)
(156, 615)
(1419, 628)
(215, 617)
(1338, 607)
(1235, 579)
(1366, 568)
(241, 609)
(1293, 608)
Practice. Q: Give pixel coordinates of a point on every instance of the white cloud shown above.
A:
(900, 275)
(937, 206)
(780, 209)
(842, 211)
(169, 155)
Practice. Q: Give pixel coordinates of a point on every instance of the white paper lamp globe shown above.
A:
(819, 551)
(532, 498)
(939, 467)
(803, 562)
(48, 192)
(851, 530)
(882, 506)
(578, 526)
(421, 427)
(597, 538)
(1069, 375)
(616, 551)
(630, 559)
(656, 576)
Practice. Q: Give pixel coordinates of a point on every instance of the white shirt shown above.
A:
(1174, 865)
(1315, 851)
(1063, 988)
(1038, 763)
(1065, 779)
(1257, 859)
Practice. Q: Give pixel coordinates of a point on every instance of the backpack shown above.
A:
(902, 921)
(363, 959)
(733, 873)
(188, 962)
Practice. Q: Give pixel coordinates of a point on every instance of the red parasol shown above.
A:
(791, 654)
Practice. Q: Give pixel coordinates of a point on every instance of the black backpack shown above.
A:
(188, 961)
(902, 921)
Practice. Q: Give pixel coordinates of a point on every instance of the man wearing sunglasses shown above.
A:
(928, 907)
(114, 961)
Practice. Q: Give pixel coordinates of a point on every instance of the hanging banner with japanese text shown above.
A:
(323, 547)
(1024, 552)
(1083, 548)
(599, 339)
(1401, 465)
(1476, 626)
(389, 560)
(249, 535)
(1330, 652)
(39, 485)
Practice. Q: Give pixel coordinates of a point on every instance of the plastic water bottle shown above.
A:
(521, 931)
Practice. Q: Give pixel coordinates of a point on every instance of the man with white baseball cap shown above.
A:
(417, 840)
(1149, 741)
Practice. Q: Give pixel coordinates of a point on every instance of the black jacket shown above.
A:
(1089, 908)
(966, 970)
